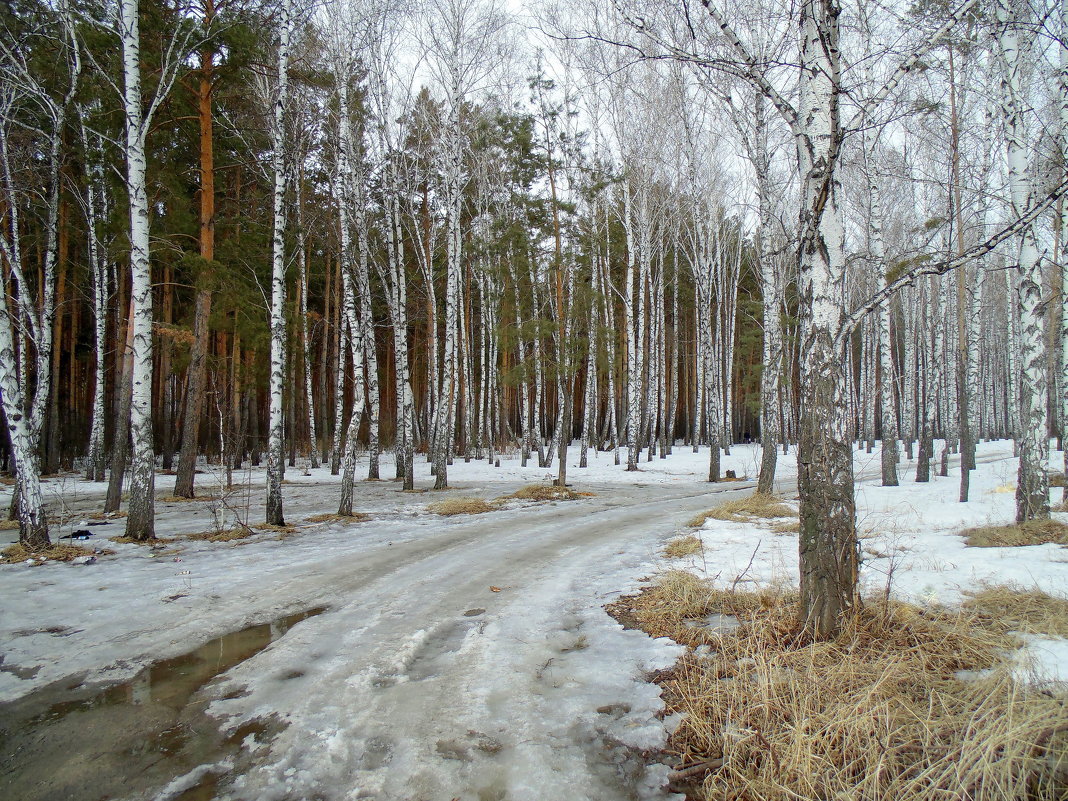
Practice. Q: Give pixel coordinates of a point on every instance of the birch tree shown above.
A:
(1014, 53)
(1062, 83)
(278, 101)
(465, 41)
(27, 104)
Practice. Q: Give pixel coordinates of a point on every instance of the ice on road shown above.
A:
(459, 658)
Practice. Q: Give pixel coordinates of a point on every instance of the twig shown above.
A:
(740, 576)
(681, 775)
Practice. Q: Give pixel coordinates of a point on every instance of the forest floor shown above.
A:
(410, 655)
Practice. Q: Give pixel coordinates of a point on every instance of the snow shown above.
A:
(910, 543)
(465, 657)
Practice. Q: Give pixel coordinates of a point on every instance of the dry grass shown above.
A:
(877, 714)
(276, 529)
(682, 547)
(461, 506)
(9, 525)
(154, 542)
(546, 492)
(1032, 532)
(789, 527)
(1056, 479)
(180, 499)
(220, 535)
(758, 506)
(57, 553)
(1012, 608)
(106, 515)
(328, 518)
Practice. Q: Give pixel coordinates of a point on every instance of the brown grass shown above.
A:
(180, 499)
(1031, 532)
(461, 506)
(876, 714)
(758, 506)
(1012, 608)
(57, 553)
(9, 525)
(276, 529)
(106, 515)
(220, 535)
(1056, 479)
(328, 518)
(131, 541)
(546, 492)
(682, 547)
(789, 527)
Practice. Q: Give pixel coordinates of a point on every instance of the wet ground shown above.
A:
(459, 658)
(79, 742)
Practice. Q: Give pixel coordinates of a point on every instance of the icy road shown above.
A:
(456, 658)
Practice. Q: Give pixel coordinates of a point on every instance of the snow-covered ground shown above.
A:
(909, 543)
(466, 657)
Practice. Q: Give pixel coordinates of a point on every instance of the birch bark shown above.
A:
(140, 519)
(275, 444)
(829, 552)
(1032, 487)
(1063, 83)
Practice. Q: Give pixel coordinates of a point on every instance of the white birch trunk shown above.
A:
(771, 292)
(1032, 489)
(140, 519)
(1063, 83)
(828, 546)
(305, 340)
(275, 445)
(367, 333)
(887, 408)
(630, 327)
(445, 410)
(348, 472)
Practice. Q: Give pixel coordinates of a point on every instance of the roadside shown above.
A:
(954, 679)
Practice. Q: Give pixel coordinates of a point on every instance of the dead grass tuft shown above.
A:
(276, 529)
(18, 552)
(789, 527)
(131, 541)
(461, 506)
(106, 515)
(328, 518)
(1031, 532)
(9, 525)
(1056, 479)
(878, 713)
(1009, 607)
(682, 547)
(180, 499)
(758, 506)
(546, 492)
(220, 535)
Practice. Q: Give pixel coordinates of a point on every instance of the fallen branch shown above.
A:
(682, 775)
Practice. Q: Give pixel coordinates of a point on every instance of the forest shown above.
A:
(271, 230)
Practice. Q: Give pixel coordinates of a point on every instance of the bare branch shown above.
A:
(1015, 228)
(906, 66)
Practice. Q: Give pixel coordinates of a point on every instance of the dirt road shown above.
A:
(465, 657)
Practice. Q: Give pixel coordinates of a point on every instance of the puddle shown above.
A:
(19, 672)
(73, 741)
